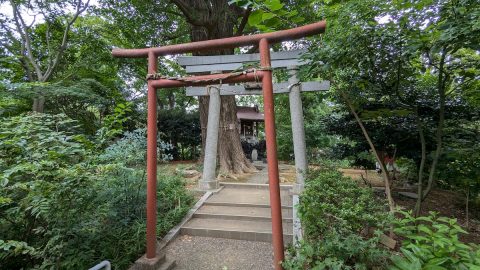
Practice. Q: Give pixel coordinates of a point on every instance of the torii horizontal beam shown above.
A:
(207, 64)
(186, 61)
(278, 88)
(232, 42)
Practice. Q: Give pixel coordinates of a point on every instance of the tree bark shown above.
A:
(215, 19)
(418, 204)
(385, 174)
(441, 85)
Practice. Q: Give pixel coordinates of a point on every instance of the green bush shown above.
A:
(62, 209)
(432, 242)
(131, 149)
(336, 216)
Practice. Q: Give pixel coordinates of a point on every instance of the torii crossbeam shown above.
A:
(263, 74)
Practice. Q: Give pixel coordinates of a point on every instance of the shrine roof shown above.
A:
(249, 113)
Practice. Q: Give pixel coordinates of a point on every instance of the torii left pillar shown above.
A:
(152, 160)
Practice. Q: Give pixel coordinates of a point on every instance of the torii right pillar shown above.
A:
(299, 147)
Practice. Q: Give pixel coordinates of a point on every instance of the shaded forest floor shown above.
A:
(450, 204)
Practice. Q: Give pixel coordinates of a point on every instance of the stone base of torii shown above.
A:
(226, 63)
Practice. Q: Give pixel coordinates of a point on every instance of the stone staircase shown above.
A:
(240, 211)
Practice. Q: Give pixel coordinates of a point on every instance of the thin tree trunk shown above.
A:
(466, 207)
(441, 119)
(421, 168)
(386, 176)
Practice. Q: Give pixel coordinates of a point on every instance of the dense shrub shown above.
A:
(62, 209)
(131, 149)
(182, 130)
(336, 216)
(432, 242)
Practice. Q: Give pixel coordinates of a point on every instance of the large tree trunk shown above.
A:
(213, 19)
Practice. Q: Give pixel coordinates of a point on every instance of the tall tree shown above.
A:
(40, 62)
(214, 19)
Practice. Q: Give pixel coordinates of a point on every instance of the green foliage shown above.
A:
(182, 130)
(333, 201)
(62, 206)
(314, 112)
(461, 161)
(270, 14)
(336, 215)
(332, 163)
(432, 242)
(408, 169)
(114, 123)
(132, 148)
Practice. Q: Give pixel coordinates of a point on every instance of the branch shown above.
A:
(188, 12)
(458, 86)
(23, 31)
(63, 45)
(386, 176)
(244, 21)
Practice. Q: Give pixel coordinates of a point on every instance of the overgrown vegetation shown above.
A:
(432, 242)
(72, 183)
(341, 223)
(66, 205)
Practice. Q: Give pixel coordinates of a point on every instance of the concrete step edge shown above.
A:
(234, 234)
(168, 264)
(144, 263)
(238, 217)
(244, 204)
(252, 185)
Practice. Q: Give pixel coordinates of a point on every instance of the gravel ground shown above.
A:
(198, 253)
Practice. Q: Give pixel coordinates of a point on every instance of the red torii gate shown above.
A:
(264, 73)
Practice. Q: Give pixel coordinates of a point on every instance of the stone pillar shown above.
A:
(298, 130)
(299, 148)
(209, 179)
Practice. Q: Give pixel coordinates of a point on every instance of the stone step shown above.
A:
(253, 185)
(243, 205)
(252, 196)
(252, 230)
(167, 265)
(240, 212)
